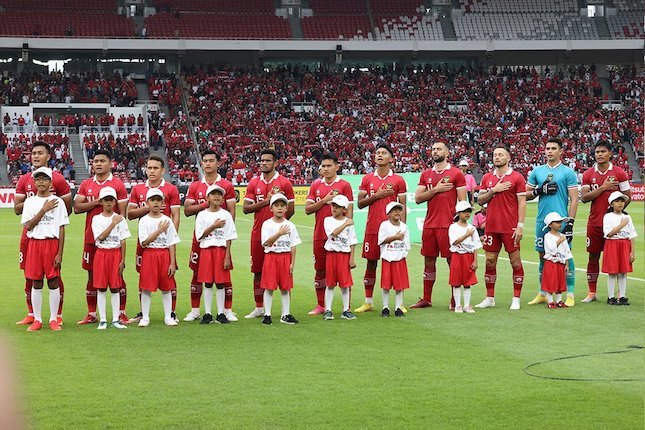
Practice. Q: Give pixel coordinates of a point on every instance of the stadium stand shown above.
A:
(221, 26)
(129, 154)
(17, 150)
(59, 23)
(629, 20)
(405, 20)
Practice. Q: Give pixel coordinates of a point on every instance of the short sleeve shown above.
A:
(124, 230)
(82, 190)
(382, 232)
(61, 187)
(95, 228)
(20, 186)
(288, 190)
(229, 192)
(190, 195)
(532, 180)
(173, 198)
(423, 179)
(266, 231)
(311, 195)
(353, 240)
(327, 225)
(121, 192)
(453, 234)
(231, 230)
(294, 236)
(403, 186)
(460, 179)
(586, 178)
(200, 225)
(347, 191)
(572, 179)
(133, 197)
(249, 194)
(365, 184)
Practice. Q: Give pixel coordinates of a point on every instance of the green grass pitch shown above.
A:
(432, 369)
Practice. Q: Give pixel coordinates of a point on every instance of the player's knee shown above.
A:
(491, 260)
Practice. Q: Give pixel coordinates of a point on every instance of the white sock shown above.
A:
(219, 298)
(611, 286)
(386, 298)
(558, 297)
(208, 300)
(115, 301)
(622, 284)
(549, 297)
(195, 310)
(268, 301)
(344, 295)
(101, 304)
(166, 301)
(37, 303)
(285, 298)
(54, 301)
(466, 297)
(398, 299)
(456, 295)
(369, 300)
(145, 304)
(329, 298)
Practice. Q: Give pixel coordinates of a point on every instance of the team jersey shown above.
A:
(49, 225)
(170, 192)
(197, 191)
(371, 183)
(611, 220)
(219, 236)
(26, 186)
(342, 242)
(396, 250)
(441, 208)
(554, 252)
(148, 225)
(503, 208)
(593, 178)
(318, 190)
(468, 246)
(284, 242)
(90, 189)
(566, 179)
(120, 232)
(257, 191)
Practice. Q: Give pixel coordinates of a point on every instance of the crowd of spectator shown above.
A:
(17, 151)
(128, 153)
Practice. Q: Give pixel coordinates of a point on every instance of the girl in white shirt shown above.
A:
(618, 253)
(556, 255)
(394, 240)
(464, 243)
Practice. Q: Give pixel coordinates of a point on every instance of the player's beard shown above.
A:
(438, 159)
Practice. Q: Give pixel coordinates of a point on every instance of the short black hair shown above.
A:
(43, 144)
(502, 146)
(605, 144)
(445, 142)
(330, 156)
(556, 141)
(105, 152)
(210, 152)
(154, 157)
(270, 152)
(386, 147)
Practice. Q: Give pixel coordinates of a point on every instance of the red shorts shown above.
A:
(435, 241)
(493, 242)
(137, 257)
(105, 272)
(211, 266)
(394, 274)
(615, 256)
(22, 253)
(40, 259)
(595, 239)
(320, 255)
(460, 271)
(371, 248)
(275, 272)
(195, 250)
(154, 271)
(89, 249)
(338, 271)
(257, 256)
(554, 278)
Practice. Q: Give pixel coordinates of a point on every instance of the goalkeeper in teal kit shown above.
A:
(556, 186)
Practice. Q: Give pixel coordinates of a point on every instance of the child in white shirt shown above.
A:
(464, 243)
(394, 240)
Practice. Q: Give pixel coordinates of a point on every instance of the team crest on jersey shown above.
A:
(446, 178)
(276, 189)
(389, 186)
(334, 192)
(611, 178)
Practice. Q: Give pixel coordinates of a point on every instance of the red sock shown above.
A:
(429, 276)
(490, 276)
(28, 284)
(123, 298)
(518, 279)
(90, 297)
(258, 293)
(320, 283)
(195, 292)
(61, 288)
(593, 268)
(369, 280)
(228, 296)
(173, 295)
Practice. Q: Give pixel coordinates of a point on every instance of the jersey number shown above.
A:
(487, 240)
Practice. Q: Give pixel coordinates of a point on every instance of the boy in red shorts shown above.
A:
(110, 231)
(44, 216)
(394, 240)
(158, 237)
(279, 238)
(340, 244)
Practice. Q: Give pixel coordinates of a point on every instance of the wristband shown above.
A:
(520, 224)
(535, 192)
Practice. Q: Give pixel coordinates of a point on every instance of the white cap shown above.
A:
(215, 187)
(154, 192)
(107, 191)
(276, 197)
(552, 216)
(464, 163)
(613, 196)
(462, 206)
(44, 170)
(340, 200)
(391, 206)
